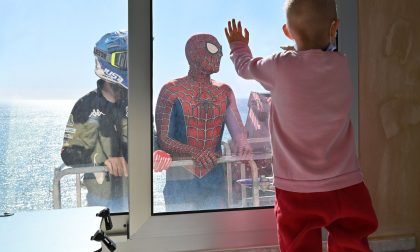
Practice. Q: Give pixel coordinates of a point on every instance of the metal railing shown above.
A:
(64, 170)
(227, 158)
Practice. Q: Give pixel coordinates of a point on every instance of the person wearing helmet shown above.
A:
(96, 132)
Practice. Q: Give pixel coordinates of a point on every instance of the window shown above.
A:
(47, 46)
(48, 65)
(151, 226)
(189, 117)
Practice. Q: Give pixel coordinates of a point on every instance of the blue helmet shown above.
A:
(111, 58)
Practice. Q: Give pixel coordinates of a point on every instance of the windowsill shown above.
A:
(389, 244)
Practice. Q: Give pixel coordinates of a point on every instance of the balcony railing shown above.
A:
(227, 159)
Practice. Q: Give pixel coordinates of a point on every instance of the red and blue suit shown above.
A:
(191, 114)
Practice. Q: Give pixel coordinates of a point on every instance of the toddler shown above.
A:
(317, 176)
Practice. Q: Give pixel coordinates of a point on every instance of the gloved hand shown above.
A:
(161, 160)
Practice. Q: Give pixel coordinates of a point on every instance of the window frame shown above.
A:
(202, 230)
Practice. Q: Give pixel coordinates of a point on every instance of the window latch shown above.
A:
(100, 236)
(106, 217)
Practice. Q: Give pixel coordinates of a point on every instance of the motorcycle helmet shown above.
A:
(111, 58)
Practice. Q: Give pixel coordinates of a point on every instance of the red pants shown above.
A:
(347, 214)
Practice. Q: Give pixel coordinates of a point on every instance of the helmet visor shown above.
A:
(116, 59)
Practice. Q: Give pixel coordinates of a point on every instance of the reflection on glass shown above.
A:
(211, 123)
(49, 70)
(254, 179)
(191, 113)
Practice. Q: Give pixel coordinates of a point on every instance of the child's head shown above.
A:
(311, 23)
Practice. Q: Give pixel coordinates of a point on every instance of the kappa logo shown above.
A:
(96, 113)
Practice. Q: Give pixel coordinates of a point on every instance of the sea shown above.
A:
(31, 137)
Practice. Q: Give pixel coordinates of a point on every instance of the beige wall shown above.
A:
(389, 103)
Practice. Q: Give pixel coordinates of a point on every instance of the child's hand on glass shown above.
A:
(234, 32)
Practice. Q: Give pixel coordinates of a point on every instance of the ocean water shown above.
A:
(31, 135)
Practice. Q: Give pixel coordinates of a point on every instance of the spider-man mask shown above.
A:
(203, 53)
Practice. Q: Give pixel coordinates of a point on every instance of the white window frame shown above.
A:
(219, 230)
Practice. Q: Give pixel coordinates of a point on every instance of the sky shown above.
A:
(46, 49)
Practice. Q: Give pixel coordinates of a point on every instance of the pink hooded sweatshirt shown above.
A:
(311, 132)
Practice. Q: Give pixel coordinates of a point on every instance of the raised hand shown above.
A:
(234, 32)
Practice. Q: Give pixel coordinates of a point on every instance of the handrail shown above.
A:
(225, 159)
(64, 170)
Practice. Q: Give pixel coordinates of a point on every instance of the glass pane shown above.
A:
(196, 121)
(48, 66)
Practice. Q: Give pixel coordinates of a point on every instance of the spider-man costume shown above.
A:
(191, 113)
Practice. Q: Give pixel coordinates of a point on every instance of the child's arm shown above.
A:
(259, 69)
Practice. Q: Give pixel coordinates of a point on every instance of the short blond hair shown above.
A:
(310, 19)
